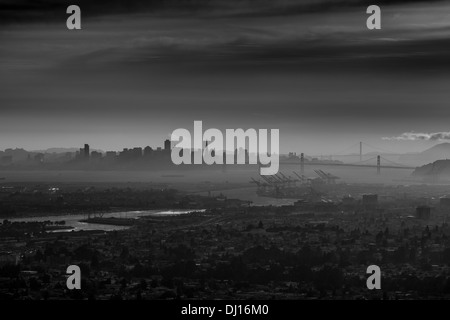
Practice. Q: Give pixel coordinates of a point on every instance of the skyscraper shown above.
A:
(167, 144)
(86, 151)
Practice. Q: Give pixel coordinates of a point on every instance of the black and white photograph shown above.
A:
(235, 151)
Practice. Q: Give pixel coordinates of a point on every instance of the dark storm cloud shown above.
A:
(29, 10)
(320, 42)
(352, 52)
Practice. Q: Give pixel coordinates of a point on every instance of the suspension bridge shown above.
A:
(372, 161)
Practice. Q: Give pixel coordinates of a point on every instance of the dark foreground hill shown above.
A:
(439, 168)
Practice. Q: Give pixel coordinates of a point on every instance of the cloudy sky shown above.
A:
(140, 69)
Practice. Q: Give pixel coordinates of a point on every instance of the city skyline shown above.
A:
(351, 149)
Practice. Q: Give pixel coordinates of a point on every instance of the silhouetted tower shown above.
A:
(378, 165)
(86, 151)
(167, 144)
(224, 162)
(302, 163)
(360, 151)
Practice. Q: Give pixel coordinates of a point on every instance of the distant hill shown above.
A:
(437, 169)
(438, 152)
(16, 154)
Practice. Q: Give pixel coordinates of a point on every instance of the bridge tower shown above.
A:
(302, 163)
(378, 165)
(360, 151)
